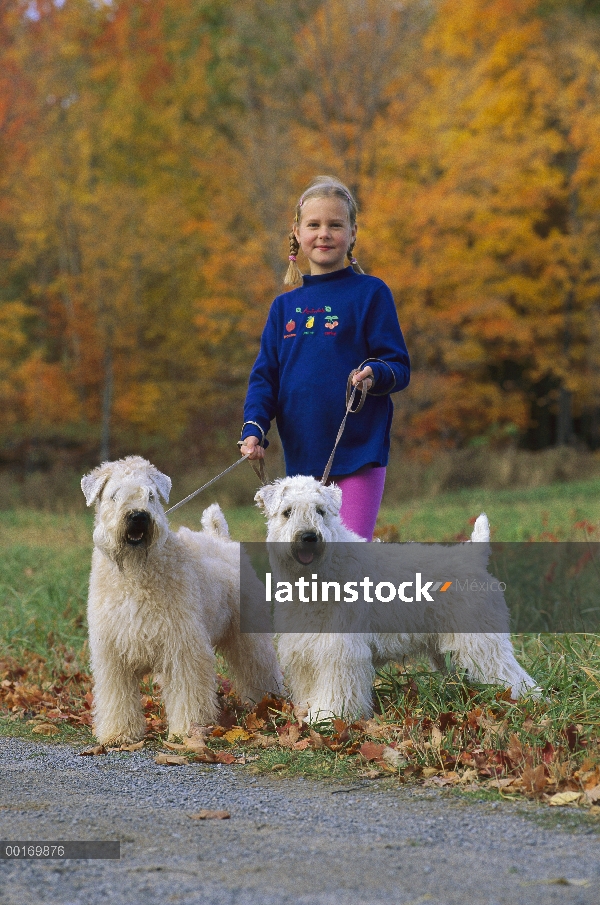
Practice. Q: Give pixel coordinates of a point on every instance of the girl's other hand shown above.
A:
(252, 445)
(367, 375)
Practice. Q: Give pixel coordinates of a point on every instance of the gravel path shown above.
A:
(287, 841)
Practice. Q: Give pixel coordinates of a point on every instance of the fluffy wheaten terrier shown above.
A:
(329, 650)
(161, 603)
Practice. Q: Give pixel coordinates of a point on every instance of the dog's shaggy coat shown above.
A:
(332, 672)
(161, 602)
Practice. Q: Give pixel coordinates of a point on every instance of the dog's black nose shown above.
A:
(138, 518)
(309, 537)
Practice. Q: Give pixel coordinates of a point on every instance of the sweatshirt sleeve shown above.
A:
(388, 355)
(263, 386)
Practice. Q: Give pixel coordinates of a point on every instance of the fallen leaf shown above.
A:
(430, 771)
(198, 745)
(370, 774)
(174, 746)
(276, 767)
(300, 713)
(563, 798)
(91, 752)
(171, 760)
(534, 779)
(254, 723)
(236, 734)
(316, 740)
(136, 746)
(45, 729)
(436, 737)
(289, 737)
(224, 757)
(468, 776)
(592, 795)
(371, 751)
(302, 745)
(500, 784)
(263, 741)
(210, 815)
(393, 757)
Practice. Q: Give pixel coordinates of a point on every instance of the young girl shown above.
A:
(339, 319)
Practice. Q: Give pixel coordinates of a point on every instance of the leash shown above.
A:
(260, 472)
(350, 394)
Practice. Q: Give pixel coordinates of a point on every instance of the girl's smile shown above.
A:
(324, 233)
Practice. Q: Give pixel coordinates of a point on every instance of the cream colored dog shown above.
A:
(161, 602)
(328, 654)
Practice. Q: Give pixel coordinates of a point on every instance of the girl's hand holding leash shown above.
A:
(365, 375)
(251, 447)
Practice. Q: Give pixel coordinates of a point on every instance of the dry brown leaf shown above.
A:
(503, 783)
(469, 776)
(371, 751)
(437, 737)
(254, 723)
(198, 745)
(316, 740)
(171, 760)
(210, 815)
(276, 767)
(289, 738)
(45, 729)
(448, 779)
(203, 756)
(302, 745)
(135, 746)
(224, 757)
(564, 798)
(174, 746)
(430, 771)
(534, 778)
(592, 795)
(515, 749)
(91, 752)
(300, 713)
(393, 757)
(264, 741)
(371, 774)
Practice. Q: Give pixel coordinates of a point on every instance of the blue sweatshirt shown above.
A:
(314, 336)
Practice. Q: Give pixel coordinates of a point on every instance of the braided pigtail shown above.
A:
(293, 275)
(355, 265)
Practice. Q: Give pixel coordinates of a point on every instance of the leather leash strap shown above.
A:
(350, 394)
(260, 472)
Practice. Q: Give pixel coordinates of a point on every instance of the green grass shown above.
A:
(44, 568)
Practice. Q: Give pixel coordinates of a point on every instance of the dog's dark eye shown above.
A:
(286, 513)
(321, 512)
(151, 496)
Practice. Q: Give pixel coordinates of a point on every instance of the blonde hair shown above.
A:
(321, 187)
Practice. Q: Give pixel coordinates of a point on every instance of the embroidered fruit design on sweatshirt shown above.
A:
(291, 325)
(310, 322)
(331, 322)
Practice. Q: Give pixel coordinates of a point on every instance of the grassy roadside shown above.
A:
(435, 730)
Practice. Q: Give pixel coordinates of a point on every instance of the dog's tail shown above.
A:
(213, 521)
(481, 530)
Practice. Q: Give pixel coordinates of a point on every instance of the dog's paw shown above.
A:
(116, 739)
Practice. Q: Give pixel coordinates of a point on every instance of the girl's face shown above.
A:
(324, 233)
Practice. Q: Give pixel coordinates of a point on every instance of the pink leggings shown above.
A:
(361, 498)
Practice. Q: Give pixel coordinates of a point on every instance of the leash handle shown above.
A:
(350, 394)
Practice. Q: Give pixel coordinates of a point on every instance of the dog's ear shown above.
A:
(93, 483)
(163, 483)
(334, 495)
(264, 497)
